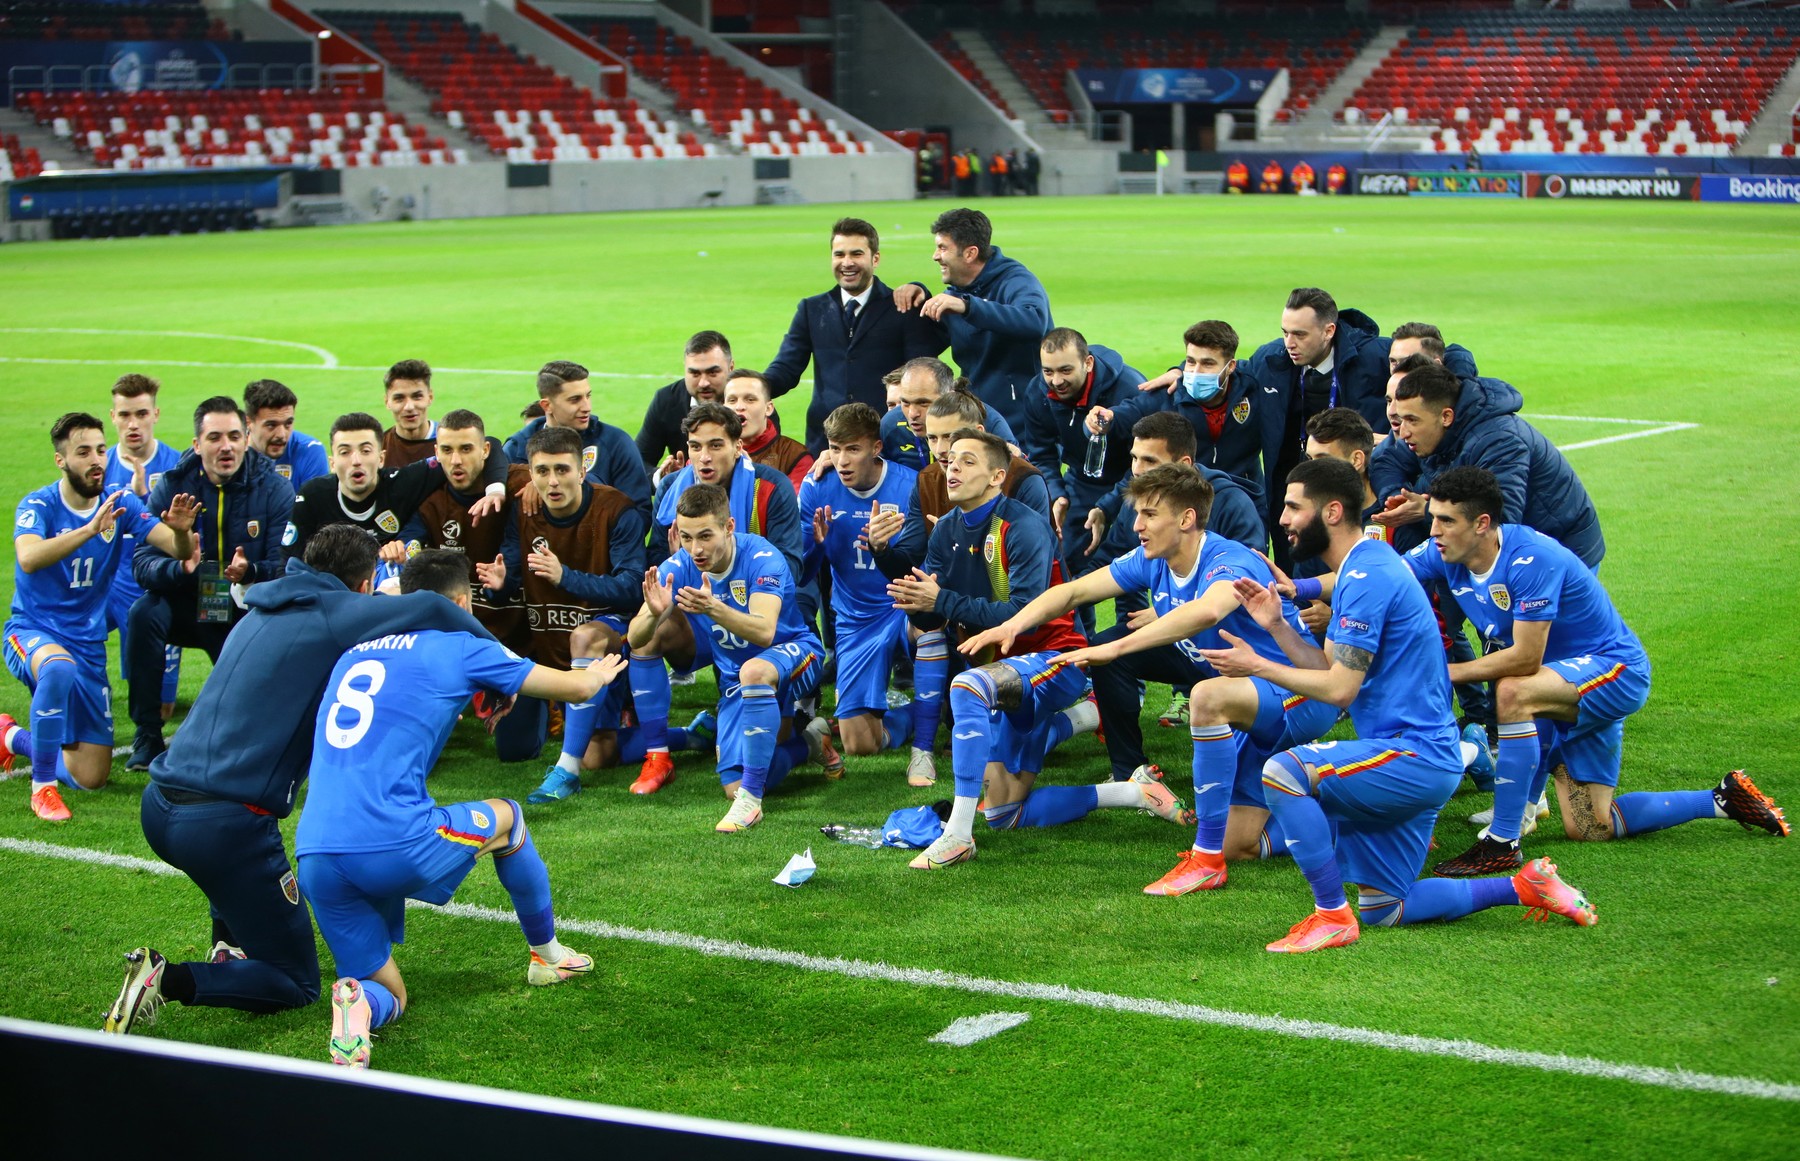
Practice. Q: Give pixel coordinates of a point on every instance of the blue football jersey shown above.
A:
(1534, 579)
(1219, 560)
(68, 599)
(388, 708)
(756, 567)
(1378, 606)
(118, 478)
(304, 459)
(858, 588)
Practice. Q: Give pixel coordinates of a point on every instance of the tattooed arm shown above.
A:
(1337, 684)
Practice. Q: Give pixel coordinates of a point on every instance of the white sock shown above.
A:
(962, 819)
(552, 952)
(568, 763)
(10, 735)
(1469, 753)
(1084, 715)
(37, 786)
(1119, 794)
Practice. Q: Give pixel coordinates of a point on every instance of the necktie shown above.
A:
(850, 309)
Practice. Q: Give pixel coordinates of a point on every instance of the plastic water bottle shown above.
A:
(1094, 465)
(862, 836)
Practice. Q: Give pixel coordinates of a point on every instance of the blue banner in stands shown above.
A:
(1761, 188)
(131, 66)
(1174, 86)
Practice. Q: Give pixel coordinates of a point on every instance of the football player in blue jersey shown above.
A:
(371, 837)
(1191, 575)
(68, 538)
(136, 462)
(269, 414)
(1568, 672)
(835, 510)
(736, 591)
(1362, 811)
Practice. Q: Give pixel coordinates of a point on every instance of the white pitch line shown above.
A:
(1467, 1050)
(514, 371)
(968, 1030)
(327, 359)
(1627, 435)
(1608, 419)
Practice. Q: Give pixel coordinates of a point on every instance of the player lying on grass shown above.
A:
(1568, 672)
(735, 590)
(1362, 811)
(67, 541)
(987, 559)
(371, 837)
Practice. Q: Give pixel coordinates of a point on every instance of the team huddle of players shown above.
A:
(948, 537)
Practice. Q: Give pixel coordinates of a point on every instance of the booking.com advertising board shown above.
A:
(131, 66)
(1174, 86)
(1765, 188)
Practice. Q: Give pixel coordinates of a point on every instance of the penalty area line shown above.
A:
(877, 971)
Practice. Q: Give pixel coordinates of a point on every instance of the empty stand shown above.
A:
(1640, 83)
(715, 94)
(38, 20)
(234, 128)
(16, 161)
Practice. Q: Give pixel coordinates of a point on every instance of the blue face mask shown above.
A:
(1203, 387)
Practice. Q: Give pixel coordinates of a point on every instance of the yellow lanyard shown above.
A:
(221, 525)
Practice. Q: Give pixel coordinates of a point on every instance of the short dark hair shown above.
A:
(462, 418)
(443, 571)
(1212, 335)
(554, 441)
(1431, 340)
(73, 421)
(1434, 383)
(1180, 485)
(853, 421)
(556, 374)
(704, 500)
(718, 413)
(1412, 363)
(222, 405)
(355, 421)
(1322, 304)
(856, 227)
(758, 377)
(1172, 428)
(1058, 338)
(999, 456)
(966, 227)
(130, 385)
(1342, 425)
(346, 551)
(940, 371)
(267, 395)
(1475, 491)
(701, 342)
(415, 370)
(1325, 480)
(961, 404)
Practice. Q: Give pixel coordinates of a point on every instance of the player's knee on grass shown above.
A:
(1378, 908)
(863, 735)
(388, 976)
(509, 828)
(90, 764)
(1285, 774)
(1586, 808)
(673, 641)
(1243, 833)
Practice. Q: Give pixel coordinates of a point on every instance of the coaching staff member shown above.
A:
(217, 796)
(852, 334)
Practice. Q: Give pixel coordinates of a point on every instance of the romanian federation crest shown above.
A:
(1502, 599)
(1241, 412)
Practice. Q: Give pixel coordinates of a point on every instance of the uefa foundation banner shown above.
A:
(1174, 86)
(1441, 183)
(132, 66)
(1766, 189)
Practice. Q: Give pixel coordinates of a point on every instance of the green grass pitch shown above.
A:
(1681, 314)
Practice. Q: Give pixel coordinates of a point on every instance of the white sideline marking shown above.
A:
(1654, 426)
(327, 359)
(971, 1029)
(334, 366)
(1468, 1050)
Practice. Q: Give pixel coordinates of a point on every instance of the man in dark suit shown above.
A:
(851, 334)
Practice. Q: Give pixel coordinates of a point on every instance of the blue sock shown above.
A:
(1513, 775)
(383, 1007)
(50, 717)
(761, 720)
(62, 773)
(1059, 730)
(787, 755)
(1271, 844)
(1649, 810)
(579, 717)
(1548, 735)
(1306, 829)
(971, 730)
(1446, 899)
(20, 743)
(650, 694)
(893, 734)
(1055, 805)
(527, 881)
(931, 671)
(1215, 769)
(171, 684)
